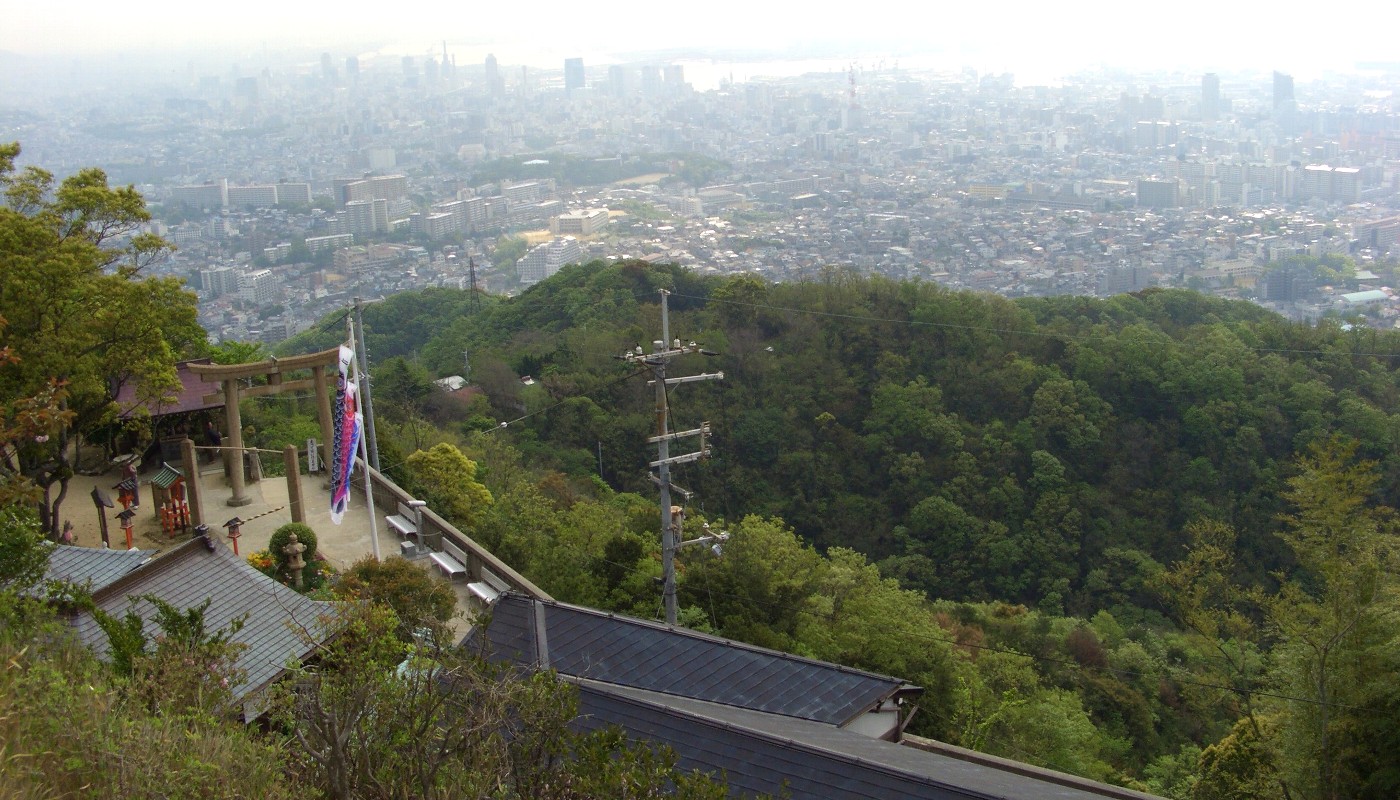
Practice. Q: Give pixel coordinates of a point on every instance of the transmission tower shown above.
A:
(471, 274)
(662, 351)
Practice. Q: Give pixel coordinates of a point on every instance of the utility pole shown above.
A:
(663, 350)
(363, 356)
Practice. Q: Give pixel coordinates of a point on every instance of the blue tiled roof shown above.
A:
(92, 566)
(773, 755)
(587, 643)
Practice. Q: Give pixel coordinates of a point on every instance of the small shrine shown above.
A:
(168, 490)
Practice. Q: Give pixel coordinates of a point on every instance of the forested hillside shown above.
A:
(1107, 535)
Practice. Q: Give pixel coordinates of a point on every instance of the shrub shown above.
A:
(282, 535)
(311, 573)
(417, 598)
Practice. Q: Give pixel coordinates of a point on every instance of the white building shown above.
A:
(579, 223)
(258, 287)
(547, 259)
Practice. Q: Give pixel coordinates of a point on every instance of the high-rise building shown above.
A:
(573, 74)
(1158, 194)
(495, 86)
(258, 287)
(619, 81)
(675, 77)
(365, 218)
(1210, 97)
(352, 69)
(547, 259)
(651, 80)
(1283, 91)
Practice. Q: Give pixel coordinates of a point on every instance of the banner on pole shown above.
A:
(347, 424)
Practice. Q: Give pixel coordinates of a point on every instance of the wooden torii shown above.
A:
(273, 369)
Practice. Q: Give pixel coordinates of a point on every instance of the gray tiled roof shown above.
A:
(782, 756)
(278, 618)
(587, 643)
(92, 566)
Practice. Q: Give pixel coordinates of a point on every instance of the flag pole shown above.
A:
(364, 457)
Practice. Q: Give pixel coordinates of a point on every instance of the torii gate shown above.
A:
(273, 369)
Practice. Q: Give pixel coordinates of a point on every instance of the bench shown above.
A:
(488, 588)
(484, 592)
(449, 565)
(405, 523)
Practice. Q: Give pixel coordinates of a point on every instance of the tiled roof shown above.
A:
(587, 643)
(193, 388)
(92, 566)
(762, 753)
(279, 620)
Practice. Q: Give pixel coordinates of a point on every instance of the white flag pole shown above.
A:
(364, 456)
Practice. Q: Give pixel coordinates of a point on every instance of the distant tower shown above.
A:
(327, 68)
(494, 85)
(410, 71)
(1210, 97)
(573, 74)
(352, 69)
(476, 295)
(1283, 91)
(850, 115)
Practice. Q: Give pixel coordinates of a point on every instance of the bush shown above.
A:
(282, 536)
(417, 598)
(305, 535)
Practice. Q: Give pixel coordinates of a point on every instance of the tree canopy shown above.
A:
(81, 317)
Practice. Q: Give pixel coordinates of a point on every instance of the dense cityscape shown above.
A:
(289, 190)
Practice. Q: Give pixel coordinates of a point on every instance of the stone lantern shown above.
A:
(295, 563)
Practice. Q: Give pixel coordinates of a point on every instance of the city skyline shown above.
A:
(1019, 36)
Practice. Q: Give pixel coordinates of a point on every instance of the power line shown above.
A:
(599, 388)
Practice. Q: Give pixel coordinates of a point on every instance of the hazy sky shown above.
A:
(1196, 33)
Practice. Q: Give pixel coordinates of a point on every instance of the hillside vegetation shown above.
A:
(1142, 539)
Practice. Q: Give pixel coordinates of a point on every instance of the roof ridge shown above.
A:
(711, 638)
(629, 696)
(154, 566)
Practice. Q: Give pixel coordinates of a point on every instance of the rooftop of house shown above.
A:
(279, 623)
(608, 648)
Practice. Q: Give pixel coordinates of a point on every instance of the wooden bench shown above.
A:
(404, 523)
(449, 565)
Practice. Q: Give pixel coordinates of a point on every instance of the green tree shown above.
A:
(446, 479)
(1334, 617)
(71, 728)
(508, 250)
(378, 718)
(79, 312)
(24, 550)
(238, 352)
